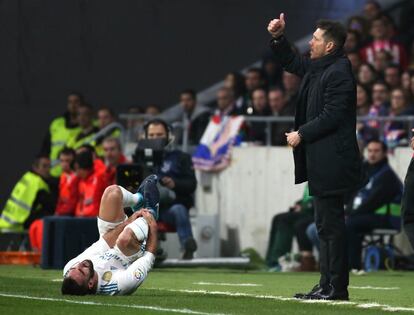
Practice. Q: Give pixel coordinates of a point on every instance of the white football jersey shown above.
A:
(117, 275)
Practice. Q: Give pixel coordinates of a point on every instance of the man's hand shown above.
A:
(153, 232)
(276, 27)
(293, 139)
(168, 182)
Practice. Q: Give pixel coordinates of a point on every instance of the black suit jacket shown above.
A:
(328, 156)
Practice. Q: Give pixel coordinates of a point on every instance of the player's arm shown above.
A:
(111, 236)
(131, 278)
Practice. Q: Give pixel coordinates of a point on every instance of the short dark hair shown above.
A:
(190, 92)
(384, 146)
(108, 109)
(67, 151)
(334, 31)
(257, 70)
(71, 287)
(78, 95)
(393, 66)
(157, 121)
(87, 147)
(37, 159)
(276, 89)
(382, 82)
(84, 160)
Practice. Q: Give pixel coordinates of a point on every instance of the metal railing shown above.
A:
(181, 127)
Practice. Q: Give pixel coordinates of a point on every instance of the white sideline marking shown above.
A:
(146, 307)
(383, 307)
(368, 287)
(229, 284)
(57, 280)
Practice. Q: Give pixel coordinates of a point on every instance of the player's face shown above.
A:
(82, 272)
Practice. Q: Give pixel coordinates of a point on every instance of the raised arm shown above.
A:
(290, 61)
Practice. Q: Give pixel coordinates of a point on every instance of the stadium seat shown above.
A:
(379, 249)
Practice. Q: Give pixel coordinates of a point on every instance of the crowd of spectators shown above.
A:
(81, 150)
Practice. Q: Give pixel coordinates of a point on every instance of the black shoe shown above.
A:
(332, 295)
(189, 248)
(317, 289)
(149, 191)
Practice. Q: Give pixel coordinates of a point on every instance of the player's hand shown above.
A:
(168, 182)
(152, 224)
(276, 27)
(135, 216)
(152, 240)
(293, 139)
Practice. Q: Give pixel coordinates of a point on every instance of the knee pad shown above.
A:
(140, 228)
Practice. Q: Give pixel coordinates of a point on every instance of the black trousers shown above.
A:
(407, 203)
(333, 260)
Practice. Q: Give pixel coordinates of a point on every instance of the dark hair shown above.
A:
(71, 287)
(114, 140)
(260, 89)
(37, 159)
(190, 92)
(84, 160)
(108, 109)
(239, 86)
(373, 2)
(276, 89)
(257, 70)
(78, 95)
(382, 82)
(88, 148)
(367, 91)
(89, 107)
(393, 66)
(383, 144)
(334, 31)
(67, 151)
(157, 121)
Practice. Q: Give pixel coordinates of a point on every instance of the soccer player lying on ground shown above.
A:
(120, 260)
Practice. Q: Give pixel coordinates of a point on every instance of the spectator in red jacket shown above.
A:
(68, 184)
(91, 185)
(113, 157)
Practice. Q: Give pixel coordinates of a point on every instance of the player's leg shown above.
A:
(114, 200)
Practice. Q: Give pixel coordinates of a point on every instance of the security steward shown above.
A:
(30, 199)
(60, 131)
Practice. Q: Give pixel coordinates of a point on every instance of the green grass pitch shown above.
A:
(29, 290)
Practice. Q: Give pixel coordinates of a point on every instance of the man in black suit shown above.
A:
(324, 143)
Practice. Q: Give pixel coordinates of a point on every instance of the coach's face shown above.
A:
(319, 47)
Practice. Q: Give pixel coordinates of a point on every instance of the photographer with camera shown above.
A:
(177, 181)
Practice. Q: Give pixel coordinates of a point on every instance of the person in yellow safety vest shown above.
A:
(87, 128)
(106, 116)
(60, 131)
(30, 198)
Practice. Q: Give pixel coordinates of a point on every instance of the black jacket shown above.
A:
(384, 187)
(328, 156)
(179, 166)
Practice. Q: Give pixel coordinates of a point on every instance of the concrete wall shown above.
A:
(259, 184)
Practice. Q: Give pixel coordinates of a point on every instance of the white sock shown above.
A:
(129, 199)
